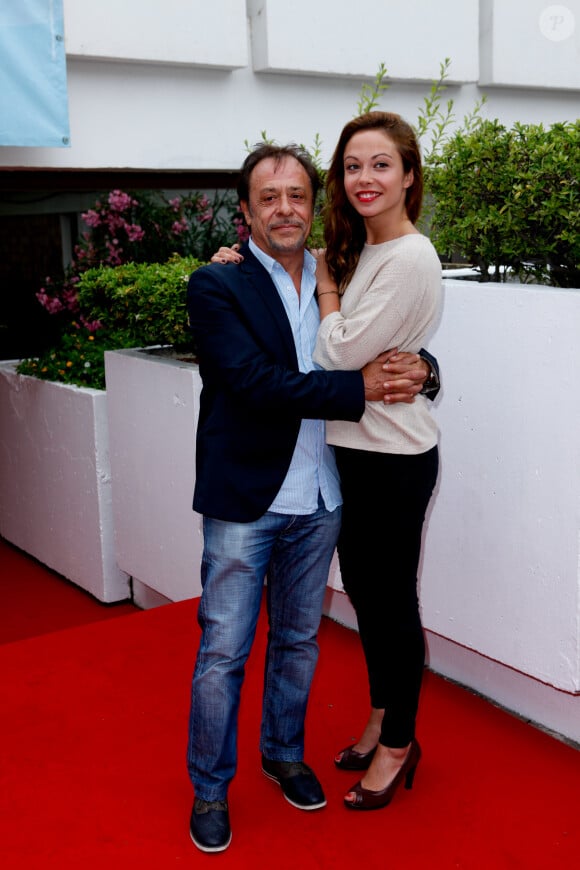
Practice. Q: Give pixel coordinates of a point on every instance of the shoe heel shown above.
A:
(409, 777)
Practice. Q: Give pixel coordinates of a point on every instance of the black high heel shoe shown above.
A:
(365, 799)
(350, 759)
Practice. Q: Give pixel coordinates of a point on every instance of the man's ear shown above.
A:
(245, 209)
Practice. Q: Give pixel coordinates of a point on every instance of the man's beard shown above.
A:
(289, 246)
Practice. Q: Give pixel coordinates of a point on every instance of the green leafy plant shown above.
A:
(78, 358)
(143, 227)
(370, 94)
(135, 304)
(109, 296)
(508, 201)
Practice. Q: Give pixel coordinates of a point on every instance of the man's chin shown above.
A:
(289, 245)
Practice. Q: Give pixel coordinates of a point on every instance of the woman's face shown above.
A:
(374, 179)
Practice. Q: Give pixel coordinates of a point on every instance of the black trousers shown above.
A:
(385, 497)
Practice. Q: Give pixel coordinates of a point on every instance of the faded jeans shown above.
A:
(295, 553)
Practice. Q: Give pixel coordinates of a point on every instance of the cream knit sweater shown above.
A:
(392, 300)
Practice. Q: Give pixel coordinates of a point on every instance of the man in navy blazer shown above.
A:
(266, 484)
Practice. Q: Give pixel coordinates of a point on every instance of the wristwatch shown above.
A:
(431, 384)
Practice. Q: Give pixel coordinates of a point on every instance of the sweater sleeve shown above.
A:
(388, 303)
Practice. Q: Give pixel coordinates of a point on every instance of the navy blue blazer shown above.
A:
(253, 395)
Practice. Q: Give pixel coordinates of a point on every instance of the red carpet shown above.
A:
(35, 600)
(92, 765)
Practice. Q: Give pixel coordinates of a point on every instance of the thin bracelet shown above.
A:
(326, 292)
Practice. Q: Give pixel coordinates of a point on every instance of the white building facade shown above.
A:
(183, 84)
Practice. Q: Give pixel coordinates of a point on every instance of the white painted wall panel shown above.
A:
(329, 38)
(144, 107)
(533, 44)
(175, 31)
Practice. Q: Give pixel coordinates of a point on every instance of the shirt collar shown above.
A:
(269, 263)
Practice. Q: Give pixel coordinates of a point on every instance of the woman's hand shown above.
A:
(227, 255)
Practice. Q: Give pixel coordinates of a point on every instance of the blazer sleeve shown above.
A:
(433, 388)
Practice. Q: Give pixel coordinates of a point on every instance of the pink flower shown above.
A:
(242, 230)
(50, 303)
(114, 253)
(175, 203)
(115, 222)
(91, 325)
(134, 232)
(119, 201)
(91, 218)
(179, 227)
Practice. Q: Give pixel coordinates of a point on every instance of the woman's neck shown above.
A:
(382, 231)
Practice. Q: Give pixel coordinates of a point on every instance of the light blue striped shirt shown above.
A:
(313, 468)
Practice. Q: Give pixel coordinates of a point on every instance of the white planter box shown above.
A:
(153, 403)
(501, 563)
(500, 578)
(55, 482)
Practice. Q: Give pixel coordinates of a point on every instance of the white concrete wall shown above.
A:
(501, 566)
(531, 44)
(148, 31)
(182, 84)
(500, 571)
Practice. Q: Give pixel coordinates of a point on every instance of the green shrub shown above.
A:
(508, 201)
(134, 305)
(78, 358)
(144, 302)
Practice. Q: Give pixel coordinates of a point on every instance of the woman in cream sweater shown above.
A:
(379, 286)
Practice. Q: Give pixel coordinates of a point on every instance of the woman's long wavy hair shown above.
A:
(344, 228)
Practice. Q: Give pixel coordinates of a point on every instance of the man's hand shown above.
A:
(394, 377)
(405, 375)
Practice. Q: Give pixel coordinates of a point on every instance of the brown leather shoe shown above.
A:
(365, 799)
(349, 759)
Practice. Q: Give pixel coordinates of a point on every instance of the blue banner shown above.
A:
(33, 91)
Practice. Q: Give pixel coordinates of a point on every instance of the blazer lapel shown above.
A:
(273, 305)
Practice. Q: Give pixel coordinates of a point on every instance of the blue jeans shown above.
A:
(294, 552)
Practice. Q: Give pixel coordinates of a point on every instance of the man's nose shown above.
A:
(285, 205)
